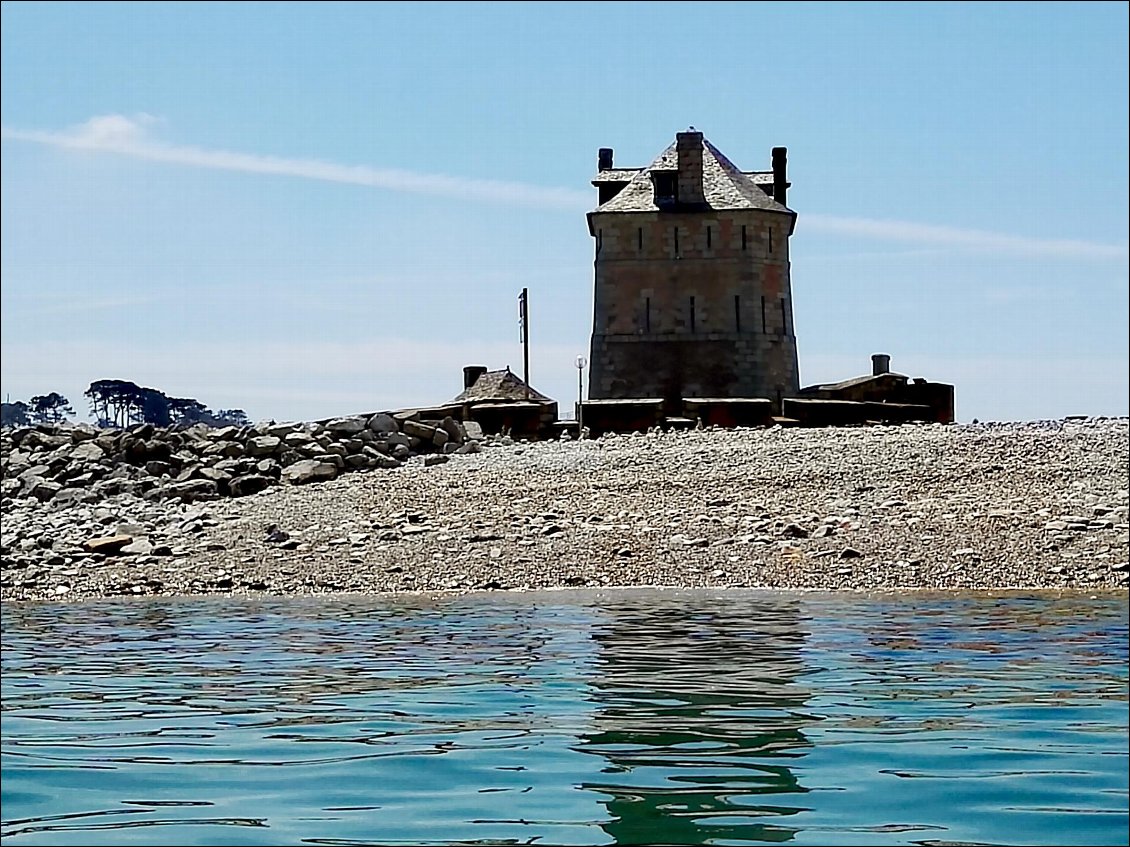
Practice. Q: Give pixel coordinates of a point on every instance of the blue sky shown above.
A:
(305, 210)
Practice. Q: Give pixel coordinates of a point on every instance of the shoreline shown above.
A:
(569, 592)
(962, 507)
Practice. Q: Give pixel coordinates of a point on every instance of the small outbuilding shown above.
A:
(501, 401)
(882, 395)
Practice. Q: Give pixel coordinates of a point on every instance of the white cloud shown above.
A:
(128, 136)
(109, 130)
(72, 304)
(955, 237)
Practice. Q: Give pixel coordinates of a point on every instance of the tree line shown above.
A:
(121, 403)
(44, 408)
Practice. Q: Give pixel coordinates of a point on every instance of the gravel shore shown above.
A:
(978, 506)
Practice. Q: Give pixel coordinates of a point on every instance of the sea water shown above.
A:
(614, 717)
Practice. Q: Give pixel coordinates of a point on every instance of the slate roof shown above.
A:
(723, 184)
(499, 386)
(760, 177)
(615, 175)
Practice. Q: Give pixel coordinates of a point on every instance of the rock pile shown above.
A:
(82, 464)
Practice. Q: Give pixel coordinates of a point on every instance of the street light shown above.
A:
(580, 362)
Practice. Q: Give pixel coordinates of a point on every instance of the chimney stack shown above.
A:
(688, 146)
(604, 159)
(471, 374)
(880, 364)
(780, 181)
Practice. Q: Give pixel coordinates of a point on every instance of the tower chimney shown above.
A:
(780, 181)
(880, 364)
(471, 374)
(688, 146)
(604, 159)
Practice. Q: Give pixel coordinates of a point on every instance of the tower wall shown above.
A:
(692, 304)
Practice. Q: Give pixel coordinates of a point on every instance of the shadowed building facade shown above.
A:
(692, 291)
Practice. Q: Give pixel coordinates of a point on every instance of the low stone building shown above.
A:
(501, 401)
(692, 294)
(881, 395)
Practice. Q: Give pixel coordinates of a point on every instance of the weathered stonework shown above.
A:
(692, 291)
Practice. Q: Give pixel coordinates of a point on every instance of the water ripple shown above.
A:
(582, 718)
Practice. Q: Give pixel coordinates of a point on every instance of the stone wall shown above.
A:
(692, 303)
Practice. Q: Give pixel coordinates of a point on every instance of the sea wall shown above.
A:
(79, 463)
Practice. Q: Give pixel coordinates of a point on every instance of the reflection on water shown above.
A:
(700, 716)
(573, 718)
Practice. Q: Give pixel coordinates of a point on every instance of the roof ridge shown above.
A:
(502, 384)
(745, 186)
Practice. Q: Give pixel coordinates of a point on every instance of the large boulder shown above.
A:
(241, 486)
(225, 449)
(346, 426)
(454, 430)
(35, 472)
(138, 451)
(308, 470)
(268, 467)
(415, 429)
(298, 439)
(263, 445)
(283, 430)
(377, 459)
(192, 489)
(84, 432)
(36, 440)
(383, 423)
(87, 451)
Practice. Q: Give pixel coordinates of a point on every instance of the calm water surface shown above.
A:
(671, 717)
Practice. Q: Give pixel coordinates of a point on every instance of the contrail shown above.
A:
(127, 136)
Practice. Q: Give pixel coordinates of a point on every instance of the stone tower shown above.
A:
(692, 294)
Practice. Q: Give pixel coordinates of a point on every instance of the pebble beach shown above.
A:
(1040, 505)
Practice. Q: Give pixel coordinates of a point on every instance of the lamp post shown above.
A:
(580, 362)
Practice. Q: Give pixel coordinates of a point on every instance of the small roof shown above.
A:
(499, 386)
(854, 381)
(723, 184)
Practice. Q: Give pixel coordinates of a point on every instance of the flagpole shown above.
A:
(525, 301)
